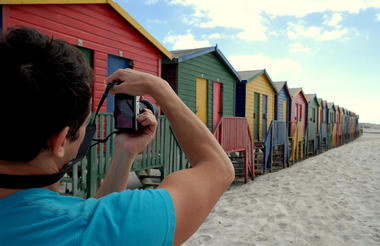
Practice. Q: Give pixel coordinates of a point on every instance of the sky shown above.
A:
(327, 47)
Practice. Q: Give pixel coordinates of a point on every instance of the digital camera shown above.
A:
(127, 110)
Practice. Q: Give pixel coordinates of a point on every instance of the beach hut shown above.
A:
(108, 36)
(298, 122)
(346, 126)
(339, 125)
(352, 126)
(282, 102)
(323, 125)
(357, 126)
(205, 81)
(331, 126)
(311, 135)
(255, 99)
(111, 39)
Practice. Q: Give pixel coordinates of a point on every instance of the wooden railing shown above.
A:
(333, 135)
(297, 142)
(323, 137)
(234, 135)
(162, 153)
(277, 135)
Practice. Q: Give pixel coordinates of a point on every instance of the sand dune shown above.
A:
(330, 199)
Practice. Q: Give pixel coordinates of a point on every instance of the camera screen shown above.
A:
(124, 112)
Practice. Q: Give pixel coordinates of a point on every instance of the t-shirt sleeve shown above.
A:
(138, 217)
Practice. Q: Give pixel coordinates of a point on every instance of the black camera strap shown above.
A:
(10, 181)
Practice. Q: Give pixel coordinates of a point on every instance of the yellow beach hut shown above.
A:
(256, 99)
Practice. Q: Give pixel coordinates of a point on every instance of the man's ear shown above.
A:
(57, 142)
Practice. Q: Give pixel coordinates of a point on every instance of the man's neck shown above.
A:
(40, 165)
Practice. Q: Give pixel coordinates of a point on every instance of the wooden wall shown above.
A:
(312, 126)
(209, 67)
(262, 86)
(93, 26)
(299, 100)
(280, 97)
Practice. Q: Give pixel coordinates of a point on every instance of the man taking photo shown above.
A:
(46, 105)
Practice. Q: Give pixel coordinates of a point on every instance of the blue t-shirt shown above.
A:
(43, 217)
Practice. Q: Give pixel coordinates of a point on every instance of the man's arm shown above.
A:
(127, 146)
(194, 191)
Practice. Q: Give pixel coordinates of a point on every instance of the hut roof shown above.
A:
(330, 105)
(310, 97)
(111, 3)
(184, 55)
(319, 100)
(295, 91)
(278, 85)
(249, 75)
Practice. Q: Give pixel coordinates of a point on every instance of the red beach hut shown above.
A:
(298, 122)
(101, 29)
(110, 38)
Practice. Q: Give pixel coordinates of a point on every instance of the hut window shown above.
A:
(313, 115)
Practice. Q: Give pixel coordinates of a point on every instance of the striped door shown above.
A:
(201, 99)
(217, 104)
(256, 117)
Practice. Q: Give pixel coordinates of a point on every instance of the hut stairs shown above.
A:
(276, 151)
(234, 135)
(297, 143)
(259, 157)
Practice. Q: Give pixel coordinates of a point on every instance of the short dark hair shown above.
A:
(46, 85)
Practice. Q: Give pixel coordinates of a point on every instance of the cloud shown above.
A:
(299, 31)
(258, 61)
(298, 48)
(331, 35)
(273, 33)
(215, 36)
(251, 19)
(296, 31)
(186, 41)
(334, 20)
(378, 17)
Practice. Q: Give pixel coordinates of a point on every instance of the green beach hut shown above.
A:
(205, 81)
(311, 134)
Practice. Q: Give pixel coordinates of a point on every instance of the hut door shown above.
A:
(1, 17)
(284, 110)
(264, 117)
(114, 63)
(256, 109)
(217, 103)
(201, 100)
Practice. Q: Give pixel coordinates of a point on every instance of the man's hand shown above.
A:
(135, 143)
(133, 82)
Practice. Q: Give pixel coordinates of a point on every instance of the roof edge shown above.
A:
(113, 4)
(205, 51)
(264, 71)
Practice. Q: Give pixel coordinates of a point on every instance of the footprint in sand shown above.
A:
(205, 238)
(282, 225)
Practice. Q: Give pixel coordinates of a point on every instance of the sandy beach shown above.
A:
(329, 199)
